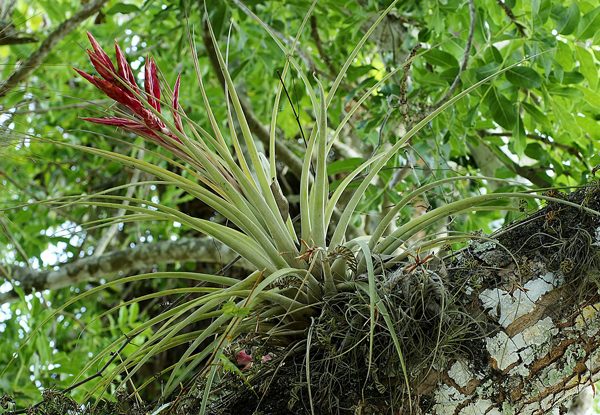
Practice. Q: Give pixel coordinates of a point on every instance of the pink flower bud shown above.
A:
(243, 360)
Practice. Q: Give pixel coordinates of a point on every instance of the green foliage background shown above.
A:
(538, 123)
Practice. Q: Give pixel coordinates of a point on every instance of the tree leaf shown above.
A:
(123, 8)
(519, 138)
(587, 66)
(569, 20)
(535, 113)
(572, 77)
(589, 24)
(438, 57)
(344, 165)
(564, 56)
(566, 92)
(502, 110)
(524, 77)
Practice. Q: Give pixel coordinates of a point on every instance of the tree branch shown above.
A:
(111, 264)
(284, 154)
(314, 31)
(534, 175)
(509, 13)
(465, 60)
(569, 149)
(36, 59)
(114, 228)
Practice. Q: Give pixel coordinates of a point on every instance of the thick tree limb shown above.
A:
(122, 262)
(36, 59)
(542, 346)
(532, 290)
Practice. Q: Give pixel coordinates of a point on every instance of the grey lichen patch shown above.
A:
(519, 370)
(504, 306)
(593, 360)
(490, 254)
(448, 399)
(550, 400)
(596, 237)
(460, 373)
(502, 350)
(511, 306)
(507, 409)
(536, 407)
(479, 247)
(553, 278)
(574, 353)
(481, 406)
(537, 287)
(526, 346)
(532, 340)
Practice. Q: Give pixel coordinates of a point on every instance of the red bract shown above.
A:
(119, 84)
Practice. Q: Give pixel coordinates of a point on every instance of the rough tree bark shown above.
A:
(542, 310)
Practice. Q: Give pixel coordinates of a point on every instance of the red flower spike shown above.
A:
(117, 122)
(100, 67)
(91, 79)
(98, 50)
(100, 59)
(151, 84)
(175, 110)
(128, 125)
(121, 95)
(120, 85)
(124, 70)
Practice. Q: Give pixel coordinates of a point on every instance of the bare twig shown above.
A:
(314, 31)
(509, 13)
(296, 115)
(36, 59)
(112, 230)
(465, 60)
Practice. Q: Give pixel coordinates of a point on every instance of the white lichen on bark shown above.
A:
(538, 360)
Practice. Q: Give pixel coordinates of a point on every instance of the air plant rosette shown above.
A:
(322, 309)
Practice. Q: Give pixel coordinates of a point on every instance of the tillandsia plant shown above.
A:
(374, 310)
